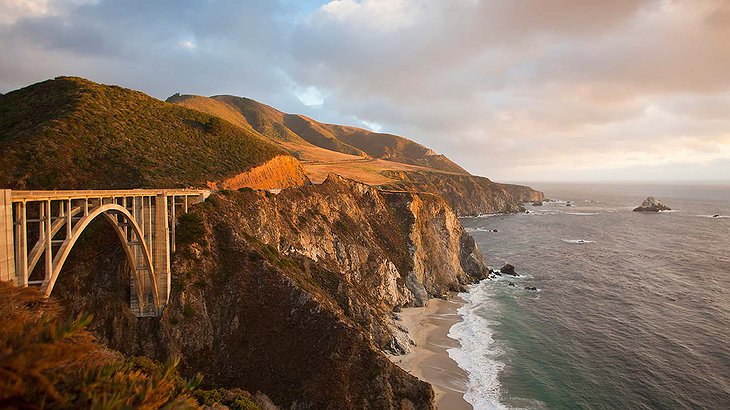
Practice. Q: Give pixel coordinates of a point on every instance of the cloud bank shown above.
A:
(514, 90)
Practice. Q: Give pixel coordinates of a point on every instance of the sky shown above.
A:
(515, 90)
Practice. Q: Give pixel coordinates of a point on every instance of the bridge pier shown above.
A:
(7, 243)
(161, 246)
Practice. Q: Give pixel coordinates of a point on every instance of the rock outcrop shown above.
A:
(508, 270)
(282, 171)
(651, 205)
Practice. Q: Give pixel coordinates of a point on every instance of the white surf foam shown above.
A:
(582, 213)
(480, 229)
(576, 241)
(478, 355)
(488, 215)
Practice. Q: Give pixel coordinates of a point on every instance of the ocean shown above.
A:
(632, 310)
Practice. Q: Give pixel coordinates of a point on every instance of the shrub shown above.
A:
(235, 399)
(188, 310)
(190, 229)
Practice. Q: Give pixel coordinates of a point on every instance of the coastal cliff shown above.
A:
(468, 195)
(289, 294)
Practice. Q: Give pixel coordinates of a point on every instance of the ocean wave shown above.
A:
(480, 229)
(582, 213)
(576, 241)
(714, 216)
(487, 215)
(545, 212)
(510, 278)
(478, 353)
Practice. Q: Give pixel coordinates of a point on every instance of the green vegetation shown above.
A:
(235, 399)
(190, 229)
(188, 310)
(73, 133)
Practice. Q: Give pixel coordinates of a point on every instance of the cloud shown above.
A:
(14, 10)
(539, 87)
(310, 96)
(187, 45)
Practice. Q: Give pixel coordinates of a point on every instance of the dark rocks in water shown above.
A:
(493, 230)
(716, 216)
(511, 284)
(568, 204)
(495, 272)
(651, 205)
(530, 288)
(508, 270)
(537, 203)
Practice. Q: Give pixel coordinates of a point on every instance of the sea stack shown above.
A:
(651, 205)
(508, 270)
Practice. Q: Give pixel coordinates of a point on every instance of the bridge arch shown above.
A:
(112, 213)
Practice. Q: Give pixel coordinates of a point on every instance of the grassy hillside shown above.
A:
(300, 134)
(74, 133)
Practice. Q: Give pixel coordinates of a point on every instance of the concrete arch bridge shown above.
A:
(38, 230)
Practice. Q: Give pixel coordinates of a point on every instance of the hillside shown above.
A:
(74, 133)
(300, 133)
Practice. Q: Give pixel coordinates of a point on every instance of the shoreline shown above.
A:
(429, 359)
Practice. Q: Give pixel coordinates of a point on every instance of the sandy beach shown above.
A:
(429, 327)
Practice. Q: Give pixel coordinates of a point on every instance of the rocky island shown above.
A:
(651, 205)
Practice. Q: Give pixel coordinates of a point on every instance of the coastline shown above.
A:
(429, 360)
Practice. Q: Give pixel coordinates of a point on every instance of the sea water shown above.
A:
(632, 310)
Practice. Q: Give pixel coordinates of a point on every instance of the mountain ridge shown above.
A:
(298, 128)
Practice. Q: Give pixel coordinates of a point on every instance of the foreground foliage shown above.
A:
(49, 362)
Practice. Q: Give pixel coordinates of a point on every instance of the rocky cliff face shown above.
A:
(393, 249)
(468, 195)
(289, 294)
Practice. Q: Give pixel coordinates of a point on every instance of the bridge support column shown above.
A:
(161, 248)
(7, 244)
